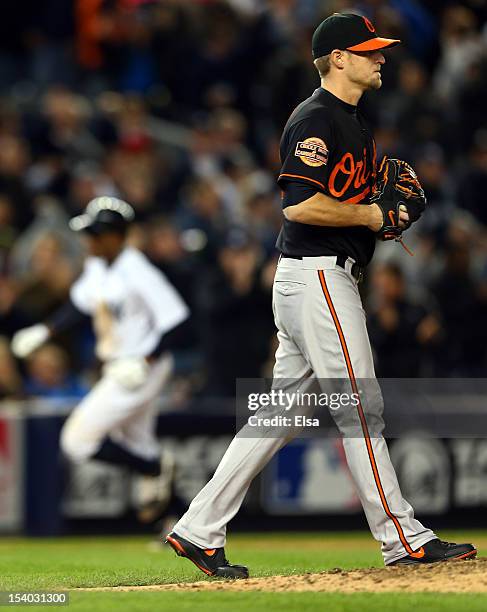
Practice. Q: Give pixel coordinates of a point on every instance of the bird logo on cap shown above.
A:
(369, 25)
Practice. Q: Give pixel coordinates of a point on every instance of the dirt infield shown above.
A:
(451, 577)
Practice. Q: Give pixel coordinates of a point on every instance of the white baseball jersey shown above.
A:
(132, 303)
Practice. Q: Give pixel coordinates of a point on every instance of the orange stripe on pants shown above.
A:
(365, 429)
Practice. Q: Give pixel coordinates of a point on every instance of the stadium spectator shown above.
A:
(10, 379)
(48, 375)
(462, 309)
(94, 102)
(472, 183)
(404, 333)
(237, 315)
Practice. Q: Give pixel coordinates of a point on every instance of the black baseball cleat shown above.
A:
(211, 561)
(435, 551)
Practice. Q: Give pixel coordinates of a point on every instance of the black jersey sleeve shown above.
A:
(67, 316)
(295, 193)
(305, 150)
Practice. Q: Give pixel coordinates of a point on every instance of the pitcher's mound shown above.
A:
(449, 577)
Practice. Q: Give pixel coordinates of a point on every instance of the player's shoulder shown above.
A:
(131, 255)
(132, 259)
(313, 117)
(94, 265)
(312, 112)
(92, 274)
(138, 268)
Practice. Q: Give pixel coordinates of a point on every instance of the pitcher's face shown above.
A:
(364, 68)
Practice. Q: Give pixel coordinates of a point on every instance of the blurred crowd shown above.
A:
(177, 107)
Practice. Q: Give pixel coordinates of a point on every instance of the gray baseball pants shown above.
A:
(322, 336)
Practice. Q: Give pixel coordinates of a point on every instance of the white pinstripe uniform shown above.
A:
(133, 305)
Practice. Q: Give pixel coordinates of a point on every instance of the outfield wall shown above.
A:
(444, 479)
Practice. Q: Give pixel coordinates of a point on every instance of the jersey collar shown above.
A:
(120, 257)
(327, 96)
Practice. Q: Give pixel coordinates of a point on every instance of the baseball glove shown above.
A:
(397, 187)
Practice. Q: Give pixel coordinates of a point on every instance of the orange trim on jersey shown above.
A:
(361, 414)
(302, 177)
(358, 198)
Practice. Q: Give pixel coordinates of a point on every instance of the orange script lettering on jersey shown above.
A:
(355, 172)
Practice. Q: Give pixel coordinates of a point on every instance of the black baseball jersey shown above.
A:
(326, 147)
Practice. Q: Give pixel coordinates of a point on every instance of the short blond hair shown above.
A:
(323, 65)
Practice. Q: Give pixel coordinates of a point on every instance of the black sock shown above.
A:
(111, 452)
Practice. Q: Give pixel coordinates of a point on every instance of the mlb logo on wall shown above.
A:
(309, 476)
(96, 490)
(11, 472)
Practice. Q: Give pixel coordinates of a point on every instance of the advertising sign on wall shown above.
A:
(11, 471)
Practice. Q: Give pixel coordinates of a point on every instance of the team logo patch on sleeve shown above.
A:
(312, 152)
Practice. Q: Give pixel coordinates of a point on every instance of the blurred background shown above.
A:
(177, 106)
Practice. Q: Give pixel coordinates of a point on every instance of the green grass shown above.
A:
(251, 602)
(70, 563)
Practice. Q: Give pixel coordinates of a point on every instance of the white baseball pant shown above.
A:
(127, 417)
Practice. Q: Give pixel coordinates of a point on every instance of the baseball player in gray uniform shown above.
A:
(136, 312)
(328, 237)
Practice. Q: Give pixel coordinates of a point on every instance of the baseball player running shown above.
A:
(135, 313)
(331, 223)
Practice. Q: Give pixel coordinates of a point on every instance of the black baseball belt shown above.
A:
(356, 271)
